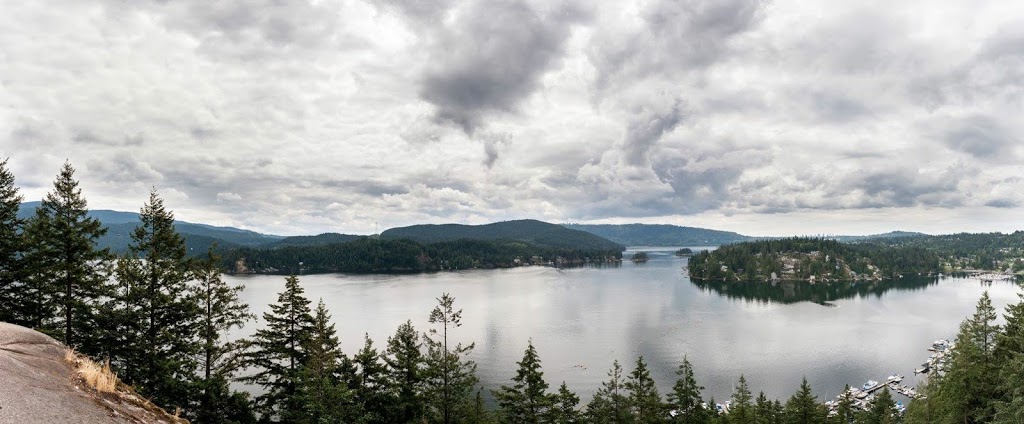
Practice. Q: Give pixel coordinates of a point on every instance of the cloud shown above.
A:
(312, 116)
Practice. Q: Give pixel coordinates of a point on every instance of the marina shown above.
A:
(861, 398)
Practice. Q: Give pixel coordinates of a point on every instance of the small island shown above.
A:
(686, 251)
(640, 257)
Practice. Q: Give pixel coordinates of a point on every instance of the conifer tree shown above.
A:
(372, 397)
(964, 392)
(404, 359)
(563, 407)
(320, 394)
(845, 411)
(450, 377)
(526, 400)
(764, 411)
(803, 407)
(219, 359)
(882, 410)
(279, 350)
(1010, 353)
(644, 400)
(36, 298)
(610, 404)
(11, 250)
(741, 410)
(685, 398)
(68, 258)
(158, 311)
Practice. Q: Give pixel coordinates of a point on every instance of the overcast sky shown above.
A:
(288, 117)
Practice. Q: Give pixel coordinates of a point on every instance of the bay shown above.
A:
(582, 319)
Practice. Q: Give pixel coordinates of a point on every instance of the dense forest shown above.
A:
(530, 231)
(819, 259)
(159, 317)
(991, 251)
(369, 254)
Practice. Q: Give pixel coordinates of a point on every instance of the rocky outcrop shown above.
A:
(40, 383)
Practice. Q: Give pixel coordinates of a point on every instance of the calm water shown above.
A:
(582, 319)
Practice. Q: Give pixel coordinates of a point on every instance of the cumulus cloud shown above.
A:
(335, 115)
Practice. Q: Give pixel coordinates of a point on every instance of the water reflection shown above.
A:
(787, 292)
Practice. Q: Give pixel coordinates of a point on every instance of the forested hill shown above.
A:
(811, 258)
(538, 233)
(660, 234)
(198, 237)
(317, 240)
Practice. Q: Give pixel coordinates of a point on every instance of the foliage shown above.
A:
(526, 400)
(450, 377)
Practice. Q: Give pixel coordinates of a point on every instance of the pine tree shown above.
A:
(67, 257)
(279, 350)
(803, 407)
(610, 404)
(220, 310)
(563, 407)
(741, 410)
(218, 359)
(158, 312)
(450, 377)
(404, 359)
(845, 411)
(685, 398)
(11, 264)
(320, 394)
(882, 410)
(1010, 353)
(36, 299)
(526, 400)
(372, 397)
(764, 411)
(644, 399)
(970, 381)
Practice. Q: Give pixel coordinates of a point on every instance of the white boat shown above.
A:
(870, 384)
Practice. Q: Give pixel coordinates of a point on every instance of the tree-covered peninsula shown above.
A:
(815, 259)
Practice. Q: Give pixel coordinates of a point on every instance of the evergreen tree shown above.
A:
(36, 298)
(610, 404)
(279, 351)
(764, 410)
(741, 410)
(371, 383)
(964, 392)
(404, 360)
(219, 359)
(882, 410)
(845, 410)
(685, 398)
(803, 407)
(1010, 353)
(11, 265)
(158, 312)
(563, 407)
(526, 400)
(644, 399)
(67, 258)
(450, 377)
(320, 394)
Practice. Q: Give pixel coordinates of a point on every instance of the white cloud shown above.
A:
(333, 115)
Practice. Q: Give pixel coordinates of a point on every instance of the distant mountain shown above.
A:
(535, 232)
(198, 237)
(883, 236)
(317, 240)
(660, 234)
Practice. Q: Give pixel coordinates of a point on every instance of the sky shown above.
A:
(302, 117)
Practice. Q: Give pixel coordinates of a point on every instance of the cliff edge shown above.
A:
(42, 381)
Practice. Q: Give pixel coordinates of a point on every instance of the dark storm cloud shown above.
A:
(492, 57)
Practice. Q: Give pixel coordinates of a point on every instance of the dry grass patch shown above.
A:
(98, 376)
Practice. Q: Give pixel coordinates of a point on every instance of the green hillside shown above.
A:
(539, 233)
(660, 234)
(317, 240)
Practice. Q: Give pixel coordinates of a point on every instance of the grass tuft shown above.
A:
(98, 376)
